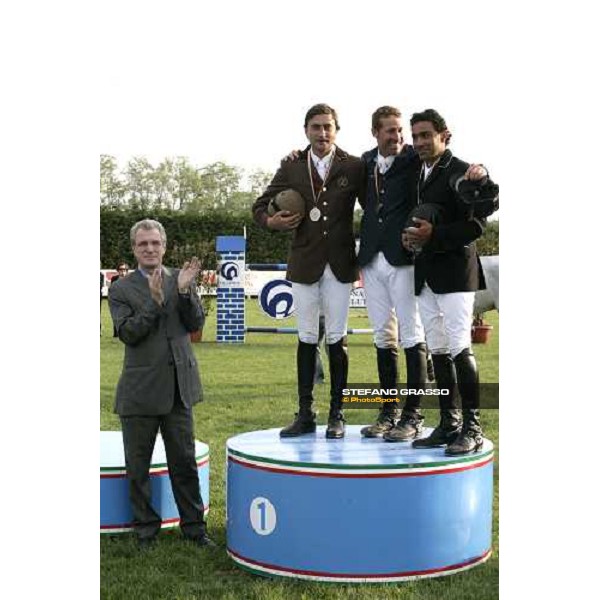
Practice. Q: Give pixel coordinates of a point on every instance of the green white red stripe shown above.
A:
(261, 568)
(126, 527)
(336, 470)
(158, 469)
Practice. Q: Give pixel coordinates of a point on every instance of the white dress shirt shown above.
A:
(322, 164)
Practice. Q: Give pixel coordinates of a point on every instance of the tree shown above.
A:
(140, 181)
(112, 190)
(187, 185)
(239, 202)
(219, 182)
(176, 184)
(164, 185)
(259, 180)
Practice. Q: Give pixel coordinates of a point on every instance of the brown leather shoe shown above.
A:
(335, 425)
(408, 428)
(445, 433)
(304, 422)
(386, 420)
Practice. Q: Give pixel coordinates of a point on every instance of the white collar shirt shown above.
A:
(322, 164)
(385, 162)
(426, 171)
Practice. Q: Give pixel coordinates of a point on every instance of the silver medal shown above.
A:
(314, 214)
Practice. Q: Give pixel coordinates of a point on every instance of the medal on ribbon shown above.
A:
(315, 213)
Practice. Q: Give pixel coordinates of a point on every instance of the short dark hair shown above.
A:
(381, 113)
(321, 109)
(431, 116)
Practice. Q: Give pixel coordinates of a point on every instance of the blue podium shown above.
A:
(115, 509)
(356, 509)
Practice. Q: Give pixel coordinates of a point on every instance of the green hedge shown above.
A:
(195, 235)
(187, 235)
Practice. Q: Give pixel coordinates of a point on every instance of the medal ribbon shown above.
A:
(312, 185)
(376, 175)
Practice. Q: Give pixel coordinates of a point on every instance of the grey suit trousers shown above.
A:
(177, 430)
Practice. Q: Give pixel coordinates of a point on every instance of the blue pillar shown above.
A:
(231, 265)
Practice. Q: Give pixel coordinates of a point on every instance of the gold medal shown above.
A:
(314, 214)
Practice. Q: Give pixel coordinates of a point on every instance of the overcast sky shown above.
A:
(218, 83)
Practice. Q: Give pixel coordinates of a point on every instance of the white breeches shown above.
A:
(329, 296)
(447, 319)
(392, 304)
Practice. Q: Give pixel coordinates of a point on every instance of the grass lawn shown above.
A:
(249, 387)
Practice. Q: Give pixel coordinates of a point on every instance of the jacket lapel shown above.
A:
(168, 283)
(406, 155)
(440, 167)
(338, 160)
(303, 159)
(138, 280)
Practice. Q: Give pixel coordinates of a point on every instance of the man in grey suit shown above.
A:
(153, 310)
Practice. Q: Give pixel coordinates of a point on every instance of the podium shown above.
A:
(355, 509)
(115, 509)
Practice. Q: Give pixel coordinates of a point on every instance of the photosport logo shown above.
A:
(276, 299)
(229, 271)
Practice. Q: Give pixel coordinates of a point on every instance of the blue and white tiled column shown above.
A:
(231, 257)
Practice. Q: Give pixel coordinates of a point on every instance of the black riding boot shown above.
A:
(410, 424)
(450, 422)
(389, 413)
(305, 417)
(338, 373)
(470, 439)
(430, 368)
(319, 372)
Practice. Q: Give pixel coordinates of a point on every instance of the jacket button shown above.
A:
(324, 218)
(380, 220)
(324, 233)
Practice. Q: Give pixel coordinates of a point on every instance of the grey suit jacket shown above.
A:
(157, 345)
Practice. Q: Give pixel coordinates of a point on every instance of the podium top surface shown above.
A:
(112, 456)
(353, 452)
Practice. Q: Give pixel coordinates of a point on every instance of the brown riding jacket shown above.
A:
(330, 239)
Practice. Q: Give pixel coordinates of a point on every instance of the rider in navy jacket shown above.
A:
(383, 221)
